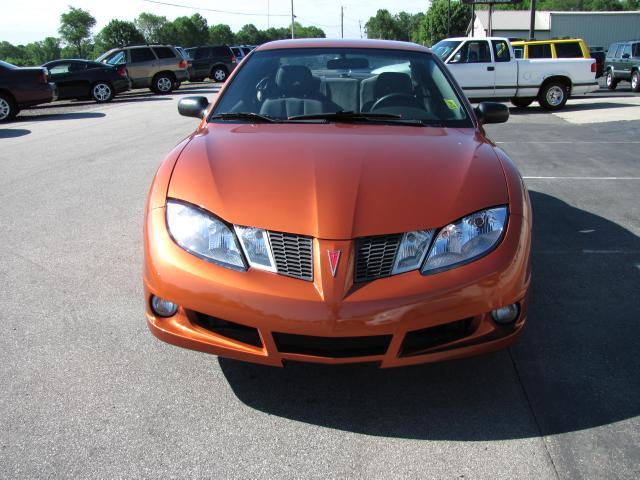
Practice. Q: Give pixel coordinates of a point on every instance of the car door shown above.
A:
(506, 70)
(141, 65)
(473, 68)
(201, 62)
(60, 74)
(617, 61)
(625, 61)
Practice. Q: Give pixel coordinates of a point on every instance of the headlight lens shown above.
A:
(255, 244)
(467, 239)
(202, 234)
(413, 248)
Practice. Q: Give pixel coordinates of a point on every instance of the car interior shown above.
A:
(411, 89)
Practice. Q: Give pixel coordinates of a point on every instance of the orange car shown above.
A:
(339, 202)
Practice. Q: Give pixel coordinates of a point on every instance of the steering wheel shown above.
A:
(397, 100)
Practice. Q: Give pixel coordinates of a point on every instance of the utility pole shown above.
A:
(473, 19)
(532, 25)
(490, 19)
(449, 19)
(292, 17)
(268, 15)
(342, 22)
(360, 25)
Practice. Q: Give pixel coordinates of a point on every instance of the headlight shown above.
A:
(255, 244)
(467, 239)
(203, 235)
(413, 248)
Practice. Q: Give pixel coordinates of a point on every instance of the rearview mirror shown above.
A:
(492, 112)
(193, 106)
(626, 55)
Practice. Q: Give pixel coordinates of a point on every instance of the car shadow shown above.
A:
(13, 132)
(576, 363)
(59, 116)
(534, 109)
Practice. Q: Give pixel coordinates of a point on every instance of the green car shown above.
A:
(623, 63)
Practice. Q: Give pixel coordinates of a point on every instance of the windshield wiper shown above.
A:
(254, 117)
(349, 116)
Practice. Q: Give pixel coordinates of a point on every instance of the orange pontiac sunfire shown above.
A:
(339, 202)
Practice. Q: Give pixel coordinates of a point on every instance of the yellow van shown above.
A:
(553, 48)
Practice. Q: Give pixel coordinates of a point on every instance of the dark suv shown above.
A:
(623, 63)
(213, 62)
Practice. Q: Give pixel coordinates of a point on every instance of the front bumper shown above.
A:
(406, 316)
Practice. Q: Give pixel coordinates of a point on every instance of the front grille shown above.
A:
(332, 347)
(293, 255)
(374, 256)
(421, 341)
(234, 331)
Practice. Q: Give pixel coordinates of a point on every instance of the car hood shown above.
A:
(338, 181)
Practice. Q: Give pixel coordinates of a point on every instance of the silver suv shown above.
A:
(161, 68)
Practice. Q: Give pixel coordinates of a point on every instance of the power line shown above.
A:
(219, 11)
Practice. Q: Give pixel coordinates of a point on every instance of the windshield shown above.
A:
(7, 65)
(315, 82)
(444, 48)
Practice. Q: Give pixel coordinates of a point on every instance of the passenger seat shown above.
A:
(297, 92)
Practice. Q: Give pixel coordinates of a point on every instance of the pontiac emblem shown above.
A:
(334, 259)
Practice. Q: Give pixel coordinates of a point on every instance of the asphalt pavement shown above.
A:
(88, 392)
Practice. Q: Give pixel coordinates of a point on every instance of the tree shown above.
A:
(382, 26)
(43, 51)
(151, 26)
(221, 34)
(307, 32)
(434, 26)
(118, 33)
(187, 31)
(250, 35)
(75, 29)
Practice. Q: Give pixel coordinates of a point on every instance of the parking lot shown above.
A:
(89, 392)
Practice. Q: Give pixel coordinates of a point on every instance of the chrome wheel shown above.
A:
(164, 84)
(101, 92)
(555, 95)
(5, 109)
(634, 81)
(219, 75)
(609, 79)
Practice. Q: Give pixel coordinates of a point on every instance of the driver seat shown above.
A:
(374, 88)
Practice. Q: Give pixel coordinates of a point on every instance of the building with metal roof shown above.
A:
(598, 29)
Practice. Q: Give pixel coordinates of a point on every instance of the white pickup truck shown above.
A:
(487, 68)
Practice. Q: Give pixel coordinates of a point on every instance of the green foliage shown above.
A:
(575, 5)
(117, 33)
(435, 24)
(186, 31)
(250, 35)
(221, 34)
(151, 26)
(35, 53)
(403, 26)
(75, 29)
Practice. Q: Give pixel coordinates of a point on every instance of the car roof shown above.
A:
(550, 40)
(340, 43)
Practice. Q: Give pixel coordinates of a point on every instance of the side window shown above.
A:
(540, 50)
(141, 55)
(60, 69)
(568, 50)
(164, 52)
(501, 51)
(117, 58)
(77, 67)
(518, 52)
(626, 50)
(202, 53)
(476, 51)
(612, 50)
(221, 52)
(619, 50)
(636, 50)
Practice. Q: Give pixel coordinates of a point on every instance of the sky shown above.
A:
(28, 21)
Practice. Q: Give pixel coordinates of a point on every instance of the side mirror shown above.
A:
(626, 55)
(193, 106)
(492, 112)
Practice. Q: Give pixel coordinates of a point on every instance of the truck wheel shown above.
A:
(8, 108)
(553, 95)
(635, 81)
(611, 81)
(520, 102)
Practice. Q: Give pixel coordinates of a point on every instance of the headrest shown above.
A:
(294, 78)
(392, 82)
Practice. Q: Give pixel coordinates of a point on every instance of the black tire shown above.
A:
(612, 83)
(102, 92)
(8, 108)
(163, 83)
(520, 102)
(553, 95)
(635, 81)
(218, 74)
